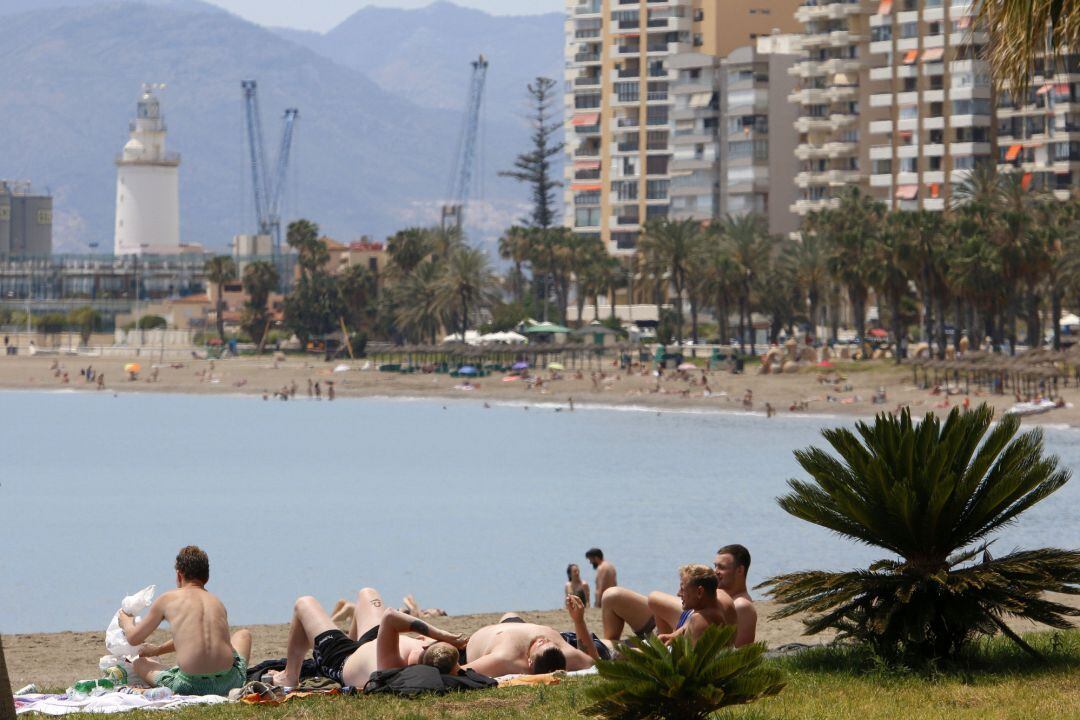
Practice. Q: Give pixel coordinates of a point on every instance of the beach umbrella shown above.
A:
(520, 365)
(467, 370)
(878, 333)
(556, 366)
(824, 364)
(511, 378)
(687, 366)
(132, 368)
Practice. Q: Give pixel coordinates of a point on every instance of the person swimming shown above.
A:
(575, 586)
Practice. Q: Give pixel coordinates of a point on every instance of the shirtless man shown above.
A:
(514, 646)
(701, 604)
(661, 611)
(350, 659)
(209, 662)
(605, 573)
(731, 565)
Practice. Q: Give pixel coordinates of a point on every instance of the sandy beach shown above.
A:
(55, 660)
(802, 393)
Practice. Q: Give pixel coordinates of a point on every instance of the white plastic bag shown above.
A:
(115, 640)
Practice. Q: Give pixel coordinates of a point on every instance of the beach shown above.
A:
(55, 660)
(802, 393)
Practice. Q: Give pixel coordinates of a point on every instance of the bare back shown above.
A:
(200, 629)
(747, 619)
(605, 579)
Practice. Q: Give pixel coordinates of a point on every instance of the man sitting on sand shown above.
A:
(350, 659)
(662, 611)
(605, 573)
(209, 662)
(701, 605)
(514, 646)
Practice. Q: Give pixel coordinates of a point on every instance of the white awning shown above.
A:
(702, 99)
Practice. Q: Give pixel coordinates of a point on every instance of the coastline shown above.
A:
(851, 397)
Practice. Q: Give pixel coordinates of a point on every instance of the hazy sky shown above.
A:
(324, 14)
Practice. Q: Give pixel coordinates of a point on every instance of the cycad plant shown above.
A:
(686, 681)
(931, 494)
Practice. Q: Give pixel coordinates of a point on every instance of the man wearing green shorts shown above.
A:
(208, 661)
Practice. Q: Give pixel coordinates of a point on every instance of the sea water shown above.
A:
(472, 509)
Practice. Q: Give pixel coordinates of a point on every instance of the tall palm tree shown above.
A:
(312, 253)
(890, 254)
(260, 279)
(220, 269)
(750, 248)
(359, 289)
(670, 244)
(722, 279)
(514, 246)
(467, 285)
(851, 229)
(418, 311)
(808, 258)
(407, 249)
(930, 494)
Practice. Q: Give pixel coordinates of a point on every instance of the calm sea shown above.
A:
(471, 509)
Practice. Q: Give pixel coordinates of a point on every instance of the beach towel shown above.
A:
(419, 679)
(107, 704)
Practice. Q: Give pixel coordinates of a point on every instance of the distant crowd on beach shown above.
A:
(208, 660)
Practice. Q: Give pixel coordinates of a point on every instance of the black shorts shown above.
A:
(333, 648)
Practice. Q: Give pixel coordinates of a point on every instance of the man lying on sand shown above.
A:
(349, 659)
(665, 613)
(514, 646)
(209, 662)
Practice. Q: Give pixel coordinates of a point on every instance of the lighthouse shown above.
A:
(147, 185)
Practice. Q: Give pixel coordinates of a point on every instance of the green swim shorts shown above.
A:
(221, 683)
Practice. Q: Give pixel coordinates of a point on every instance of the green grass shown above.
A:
(994, 680)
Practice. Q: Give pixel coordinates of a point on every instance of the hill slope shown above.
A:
(367, 161)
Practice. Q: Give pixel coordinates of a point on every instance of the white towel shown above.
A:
(108, 703)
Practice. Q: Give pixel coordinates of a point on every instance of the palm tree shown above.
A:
(312, 253)
(850, 229)
(750, 248)
(891, 254)
(467, 284)
(418, 312)
(685, 681)
(1020, 32)
(360, 292)
(514, 246)
(407, 249)
(669, 244)
(722, 279)
(808, 259)
(220, 269)
(930, 494)
(260, 279)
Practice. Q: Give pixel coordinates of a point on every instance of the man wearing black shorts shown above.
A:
(350, 659)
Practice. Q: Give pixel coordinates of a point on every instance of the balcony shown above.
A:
(812, 124)
(809, 96)
(811, 152)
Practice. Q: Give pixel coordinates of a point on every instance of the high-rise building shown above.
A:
(26, 219)
(733, 141)
(894, 98)
(621, 59)
(1039, 135)
(147, 186)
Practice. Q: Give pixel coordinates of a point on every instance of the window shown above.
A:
(625, 190)
(656, 190)
(977, 106)
(881, 167)
(587, 217)
(624, 240)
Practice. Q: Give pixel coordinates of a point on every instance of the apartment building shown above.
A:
(1039, 135)
(622, 58)
(896, 99)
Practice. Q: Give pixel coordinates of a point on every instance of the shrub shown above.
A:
(930, 494)
(152, 322)
(689, 682)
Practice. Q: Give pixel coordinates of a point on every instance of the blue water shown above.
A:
(471, 509)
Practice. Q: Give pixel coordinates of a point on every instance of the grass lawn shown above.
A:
(995, 681)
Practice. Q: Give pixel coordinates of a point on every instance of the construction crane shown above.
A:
(268, 190)
(453, 212)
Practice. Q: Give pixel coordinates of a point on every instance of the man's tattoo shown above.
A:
(376, 602)
(419, 626)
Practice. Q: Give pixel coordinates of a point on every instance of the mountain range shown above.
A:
(380, 101)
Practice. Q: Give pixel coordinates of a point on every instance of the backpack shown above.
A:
(418, 679)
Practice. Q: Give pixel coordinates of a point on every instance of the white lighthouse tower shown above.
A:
(147, 185)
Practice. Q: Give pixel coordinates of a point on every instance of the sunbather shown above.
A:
(662, 611)
(209, 662)
(514, 646)
(350, 659)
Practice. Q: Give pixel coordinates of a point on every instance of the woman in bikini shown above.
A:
(575, 586)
